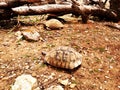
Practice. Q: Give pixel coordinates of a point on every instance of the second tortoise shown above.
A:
(64, 57)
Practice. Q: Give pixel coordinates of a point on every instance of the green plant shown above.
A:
(43, 65)
(97, 60)
(101, 49)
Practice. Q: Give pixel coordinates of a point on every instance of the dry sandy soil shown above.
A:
(99, 45)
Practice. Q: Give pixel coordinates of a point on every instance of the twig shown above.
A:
(115, 26)
(52, 81)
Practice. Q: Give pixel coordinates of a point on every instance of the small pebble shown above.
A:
(63, 82)
(119, 87)
(72, 85)
(58, 87)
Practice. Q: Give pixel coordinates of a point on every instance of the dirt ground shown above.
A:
(99, 45)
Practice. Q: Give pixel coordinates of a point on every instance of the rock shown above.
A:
(19, 35)
(53, 24)
(69, 19)
(31, 35)
(73, 78)
(63, 82)
(58, 87)
(51, 76)
(25, 82)
(72, 85)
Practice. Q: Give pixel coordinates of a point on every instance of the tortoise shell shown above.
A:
(53, 24)
(64, 57)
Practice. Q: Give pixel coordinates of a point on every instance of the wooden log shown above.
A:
(11, 3)
(43, 9)
(16, 3)
(86, 10)
(76, 8)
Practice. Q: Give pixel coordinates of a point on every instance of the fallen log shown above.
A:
(101, 3)
(11, 3)
(87, 10)
(43, 9)
(16, 3)
(59, 9)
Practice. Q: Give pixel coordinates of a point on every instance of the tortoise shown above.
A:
(63, 57)
(53, 24)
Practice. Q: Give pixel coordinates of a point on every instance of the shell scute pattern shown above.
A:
(64, 57)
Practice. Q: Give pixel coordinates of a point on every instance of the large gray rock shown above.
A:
(25, 82)
(31, 35)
